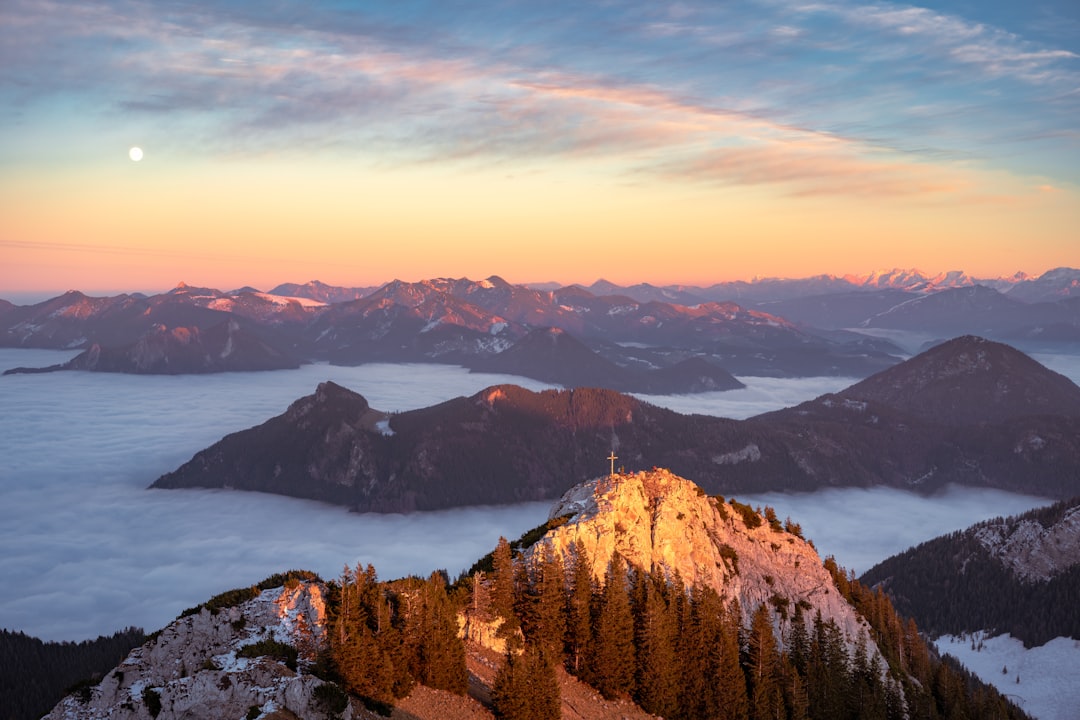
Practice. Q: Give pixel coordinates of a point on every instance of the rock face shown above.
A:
(197, 667)
(1033, 552)
(663, 523)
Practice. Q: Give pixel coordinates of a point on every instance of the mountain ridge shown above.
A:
(507, 444)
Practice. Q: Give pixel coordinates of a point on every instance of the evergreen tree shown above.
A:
(693, 647)
(613, 646)
(795, 695)
(502, 591)
(363, 647)
(732, 700)
(655, 627)
(763, 668)
(799, 641)
(550, 612)
(441, 662)
(526, 687)
(578, 610)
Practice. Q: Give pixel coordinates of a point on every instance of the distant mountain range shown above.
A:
(816, 326)
(1011, 424)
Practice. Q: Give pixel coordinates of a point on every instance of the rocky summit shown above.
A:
(663, 523)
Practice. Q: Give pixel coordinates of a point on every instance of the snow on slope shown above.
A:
(1049, 675)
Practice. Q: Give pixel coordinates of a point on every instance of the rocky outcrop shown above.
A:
(1033, 552)
(662, 523)
(219, 664)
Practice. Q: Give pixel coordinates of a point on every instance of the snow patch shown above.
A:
(497, 328)
(383, 426)
(286, 300)
(1044, 681)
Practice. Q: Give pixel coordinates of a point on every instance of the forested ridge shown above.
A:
(952, 584)
(677, 651)
(34, 674)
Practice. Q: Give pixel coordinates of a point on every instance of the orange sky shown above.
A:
(122, 225)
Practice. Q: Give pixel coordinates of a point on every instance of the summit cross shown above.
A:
(612, 457)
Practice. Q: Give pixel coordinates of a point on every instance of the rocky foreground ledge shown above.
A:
(219, 663)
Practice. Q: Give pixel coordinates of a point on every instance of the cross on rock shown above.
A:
(612, 457)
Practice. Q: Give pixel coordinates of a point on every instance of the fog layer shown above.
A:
(87, 549)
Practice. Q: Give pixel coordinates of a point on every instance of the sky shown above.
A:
(683, 142)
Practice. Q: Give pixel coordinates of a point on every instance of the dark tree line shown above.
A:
(35, 675)
(951, 584)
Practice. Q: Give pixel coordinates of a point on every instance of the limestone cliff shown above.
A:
(661, 522)
(198, 667)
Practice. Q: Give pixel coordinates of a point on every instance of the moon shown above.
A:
(135, 153)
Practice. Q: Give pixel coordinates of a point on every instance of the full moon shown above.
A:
(135, 153)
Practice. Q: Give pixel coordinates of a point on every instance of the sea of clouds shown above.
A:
(87, 549)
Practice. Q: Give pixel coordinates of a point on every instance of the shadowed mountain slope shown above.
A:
(507, 444)
(181, 350)
(553, 355)
(969, 380)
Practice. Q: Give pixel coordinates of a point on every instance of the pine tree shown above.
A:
(526, 687)
(613, 647)
(656, 684)
(766, 698)
(502, 591)
(442, 653)
(361, 657)
(550, 614)
(795, 694)
(799, 641)
(732, 700)
(578, 610)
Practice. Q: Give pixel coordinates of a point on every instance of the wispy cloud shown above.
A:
(991, 50)
(765, 96)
